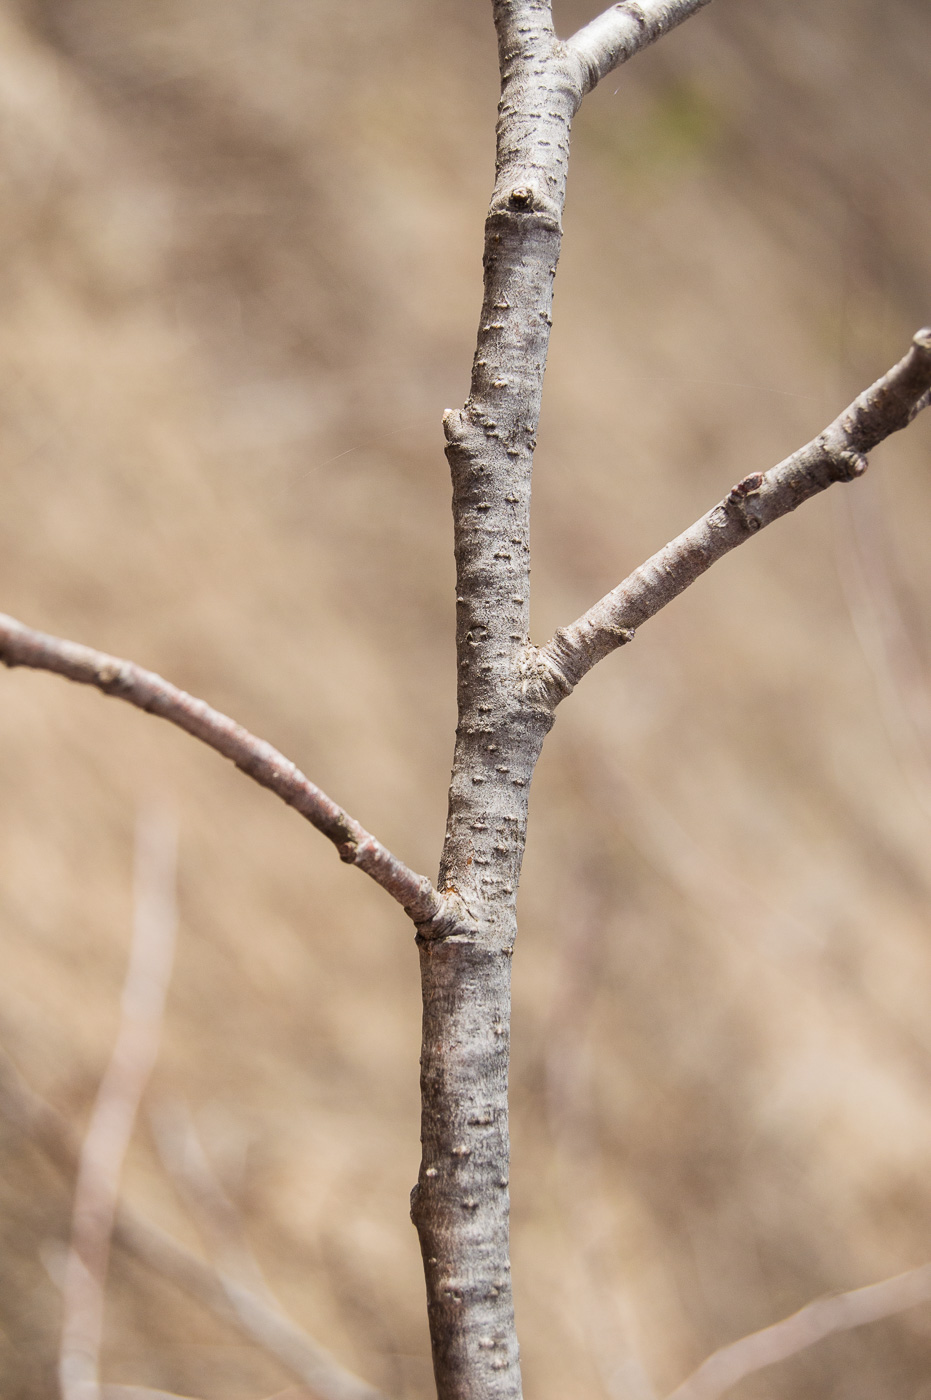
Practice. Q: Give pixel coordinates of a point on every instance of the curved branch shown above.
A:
(623, 30)
(837, 454)
(837, 1313)
(21, 646)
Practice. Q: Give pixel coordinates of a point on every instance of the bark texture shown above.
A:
(508, 691)
(837, 454)
(622, 30)
(460, 1203)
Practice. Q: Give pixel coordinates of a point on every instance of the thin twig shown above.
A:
(837, 454)
(22, 646)
(253, 1317)
(623, 30)
(838, 1313)
(116, 1105)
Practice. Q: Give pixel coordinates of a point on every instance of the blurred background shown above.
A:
(240, 281)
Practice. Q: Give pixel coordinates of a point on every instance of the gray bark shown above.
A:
(837, 454)
(508, 689)
(622, 31)
(460, 1203)
(24, 646)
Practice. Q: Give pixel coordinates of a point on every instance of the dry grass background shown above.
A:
(240, 276)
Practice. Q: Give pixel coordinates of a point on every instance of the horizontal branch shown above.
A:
(837, 454)
(837, 1313)
(21, 646)
(623, 30)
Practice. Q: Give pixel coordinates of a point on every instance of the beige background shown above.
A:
(239, 270)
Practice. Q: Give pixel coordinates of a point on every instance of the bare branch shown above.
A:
(22, 646)
(254, 1318)
(623, 30)
(819, 1319)
(837, 454)
(117, 1102)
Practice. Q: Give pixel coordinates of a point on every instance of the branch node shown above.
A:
(748, 487)
(522, 197)
(739, 499)
(453, 426)
(452, 920)
(110, 675)
(850, 465)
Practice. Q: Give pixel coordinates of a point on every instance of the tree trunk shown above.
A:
(460, 1204)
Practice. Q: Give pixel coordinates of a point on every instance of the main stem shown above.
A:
(460, 1204)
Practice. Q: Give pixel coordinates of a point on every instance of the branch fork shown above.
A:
(508, 689)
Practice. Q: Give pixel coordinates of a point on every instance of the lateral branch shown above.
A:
(837, 454)
(622, 31)
(22, 646)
